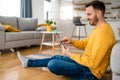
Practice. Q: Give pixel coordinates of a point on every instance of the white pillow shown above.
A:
(1, 24)
(1, 27)
(41, 29)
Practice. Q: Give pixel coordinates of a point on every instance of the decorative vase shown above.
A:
(49, 29)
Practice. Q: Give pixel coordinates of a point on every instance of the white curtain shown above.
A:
(66, 10)
(10, 8)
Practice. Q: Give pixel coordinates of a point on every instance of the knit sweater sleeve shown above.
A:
(81, 44)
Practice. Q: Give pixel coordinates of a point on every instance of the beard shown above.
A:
(94, 21)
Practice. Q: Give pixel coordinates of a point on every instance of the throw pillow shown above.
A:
(0, 24)
(1, 27)
(40, 25)
(9, 28)
(41, 29)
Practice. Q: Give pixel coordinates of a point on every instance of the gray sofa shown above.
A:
(115, 61)
(26, 37)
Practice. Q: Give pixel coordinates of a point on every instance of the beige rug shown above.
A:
(49, 52)
(58, 50)
(38, 56)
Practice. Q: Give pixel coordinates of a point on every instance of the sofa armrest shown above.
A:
(115, 58)
(2, 39)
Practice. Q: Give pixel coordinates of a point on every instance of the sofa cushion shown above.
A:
(9, 20)
(9, 28)
(24, 35)
(27, 24)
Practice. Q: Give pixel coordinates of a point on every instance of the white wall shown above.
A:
(38, 10)
(66, 27)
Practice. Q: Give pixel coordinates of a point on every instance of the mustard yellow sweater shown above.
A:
(97, 49)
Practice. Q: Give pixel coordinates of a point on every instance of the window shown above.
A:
(66, 9)
(47, 8)
(10, 8)
(66, 12)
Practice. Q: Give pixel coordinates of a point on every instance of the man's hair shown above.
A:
(98, 5)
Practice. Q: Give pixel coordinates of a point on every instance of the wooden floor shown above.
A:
(11, 69)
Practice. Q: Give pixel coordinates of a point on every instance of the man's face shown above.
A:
(91, 16)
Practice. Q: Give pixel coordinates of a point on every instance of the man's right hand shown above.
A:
(67, 40)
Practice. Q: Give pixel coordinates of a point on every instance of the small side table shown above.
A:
(53, 43)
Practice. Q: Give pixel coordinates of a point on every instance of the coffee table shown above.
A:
(53, 43)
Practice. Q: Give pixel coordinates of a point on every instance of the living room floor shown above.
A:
(11, 69)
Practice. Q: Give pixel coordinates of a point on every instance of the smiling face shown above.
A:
(91, 15)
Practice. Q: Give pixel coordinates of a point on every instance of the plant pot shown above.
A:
(49, 29)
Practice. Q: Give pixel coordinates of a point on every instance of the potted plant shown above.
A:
(51, 23)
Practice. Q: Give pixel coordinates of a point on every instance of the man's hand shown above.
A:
(66, 51)
(67, 40)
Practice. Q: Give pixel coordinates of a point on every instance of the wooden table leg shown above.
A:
(53, 42)
(85, 31)
(79, 33)
(73, 31)
(43, 37)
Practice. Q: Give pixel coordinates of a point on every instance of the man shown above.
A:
(91, 65)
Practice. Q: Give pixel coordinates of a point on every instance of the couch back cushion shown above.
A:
(9, 20)
(27, 24)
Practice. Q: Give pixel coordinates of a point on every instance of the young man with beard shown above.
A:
(92, 64)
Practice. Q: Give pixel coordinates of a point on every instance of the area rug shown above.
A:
(38, 56)
(48, 53)
(59, 50)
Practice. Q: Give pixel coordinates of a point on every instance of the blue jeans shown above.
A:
(65, 66)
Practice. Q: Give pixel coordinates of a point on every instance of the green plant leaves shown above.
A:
(50, 22)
